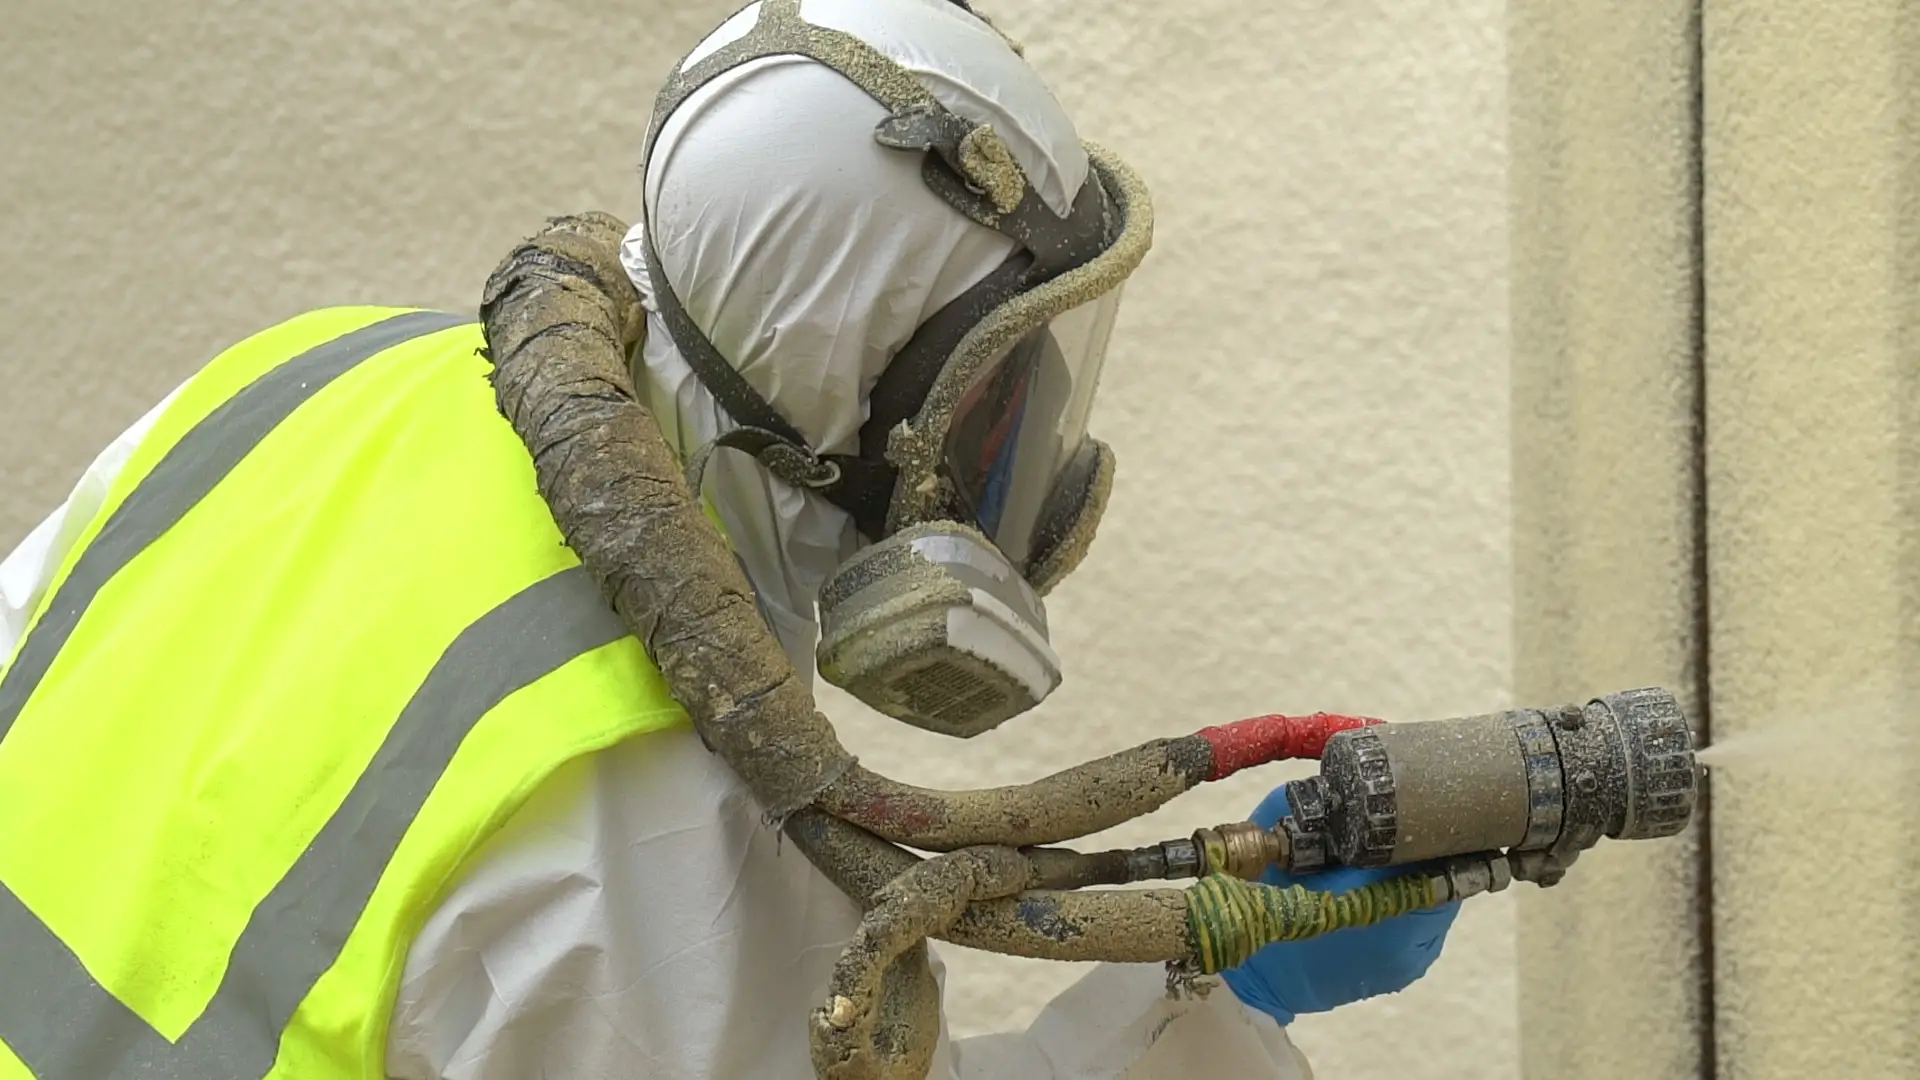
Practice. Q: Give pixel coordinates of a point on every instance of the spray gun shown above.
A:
(1484, 800)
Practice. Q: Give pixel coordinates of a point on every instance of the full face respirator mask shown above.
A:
(976, 486)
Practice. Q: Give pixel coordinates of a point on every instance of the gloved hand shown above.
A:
(1345, 966)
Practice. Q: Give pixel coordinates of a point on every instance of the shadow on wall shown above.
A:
(1308, 393)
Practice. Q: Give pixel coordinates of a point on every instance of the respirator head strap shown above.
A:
(860, 486)
(730, 388)
(970, 167)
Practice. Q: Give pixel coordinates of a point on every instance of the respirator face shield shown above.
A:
(976, 485)
(999, 493)
(1018, 457)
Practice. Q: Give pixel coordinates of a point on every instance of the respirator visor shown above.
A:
(1020, 430)
(940, 623)
(1001, 439)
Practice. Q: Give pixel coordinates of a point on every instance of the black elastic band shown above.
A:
(858, 485)
(730, 388)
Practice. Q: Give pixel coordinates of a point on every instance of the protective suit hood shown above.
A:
(810, 254)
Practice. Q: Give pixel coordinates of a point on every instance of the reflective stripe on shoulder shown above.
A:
(54, 1015)
(190, 469)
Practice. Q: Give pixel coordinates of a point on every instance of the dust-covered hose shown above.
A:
(1215, 924)
(1205, 928)
(560, 317)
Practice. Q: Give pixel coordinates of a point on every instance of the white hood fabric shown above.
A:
(637, 919)
(809, 254)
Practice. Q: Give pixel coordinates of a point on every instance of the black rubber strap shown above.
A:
(795, 464)
(861, 487)
(864, 491)
(730, 388)
(1058, 243)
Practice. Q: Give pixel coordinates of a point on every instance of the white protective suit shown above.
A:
(637, 920)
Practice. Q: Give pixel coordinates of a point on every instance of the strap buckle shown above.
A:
(792, 462)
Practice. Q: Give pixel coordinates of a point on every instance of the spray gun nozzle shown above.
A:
(1540, 784)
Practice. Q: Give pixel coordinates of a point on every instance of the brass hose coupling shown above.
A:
(1240, 849)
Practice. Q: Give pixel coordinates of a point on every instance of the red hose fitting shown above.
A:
(1263, 739)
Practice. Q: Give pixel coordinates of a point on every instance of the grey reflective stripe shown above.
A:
(183, 477)
(53, 1014)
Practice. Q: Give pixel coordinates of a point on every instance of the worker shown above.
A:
(236, 838)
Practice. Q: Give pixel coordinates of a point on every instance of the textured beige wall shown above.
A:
(1308, 395)
(1605, 497)
(1813, 497)
(1718, 481)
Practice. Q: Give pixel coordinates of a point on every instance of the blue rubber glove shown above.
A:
(1321, 973)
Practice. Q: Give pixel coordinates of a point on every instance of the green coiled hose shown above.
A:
(1232, 919)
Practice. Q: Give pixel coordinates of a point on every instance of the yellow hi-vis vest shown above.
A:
(321, 642)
